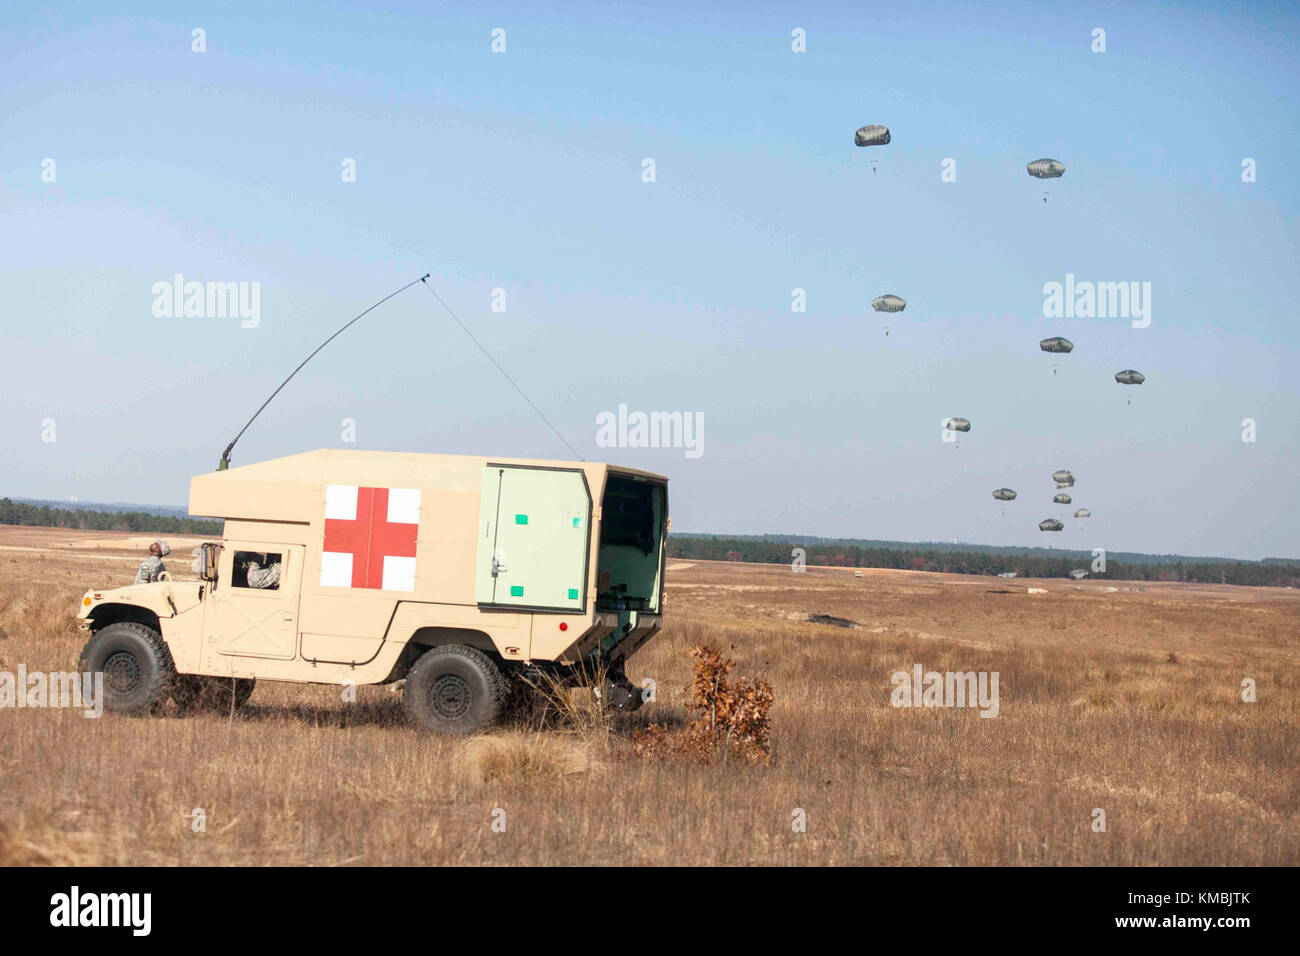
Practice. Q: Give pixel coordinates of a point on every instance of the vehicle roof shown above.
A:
(273, 489)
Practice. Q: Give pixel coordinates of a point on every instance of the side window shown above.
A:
(257, 570)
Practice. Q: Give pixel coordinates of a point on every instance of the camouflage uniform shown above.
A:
(260, 577)
(151, 568)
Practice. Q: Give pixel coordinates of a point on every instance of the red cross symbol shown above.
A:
(370, 537)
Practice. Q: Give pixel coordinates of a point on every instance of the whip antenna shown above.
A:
(225, 455)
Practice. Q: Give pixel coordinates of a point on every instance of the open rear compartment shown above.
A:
(633, 527)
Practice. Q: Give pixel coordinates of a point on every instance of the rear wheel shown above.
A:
(138, 671)
(455, 689)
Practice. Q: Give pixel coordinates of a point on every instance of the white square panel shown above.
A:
(335, 569)
(399, 573)
(403, 505)
(341, 502)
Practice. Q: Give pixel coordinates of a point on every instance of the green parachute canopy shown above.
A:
(1046, 169)
(873, 135)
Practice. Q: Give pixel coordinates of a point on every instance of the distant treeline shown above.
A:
(83, 519)
(1029, 565)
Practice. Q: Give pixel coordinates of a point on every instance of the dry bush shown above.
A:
(571, 704)
(730, 716)
(521, 758)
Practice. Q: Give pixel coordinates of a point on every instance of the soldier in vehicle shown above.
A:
(263, 577)
(151, 568)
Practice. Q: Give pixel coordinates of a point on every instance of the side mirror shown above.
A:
(205, 560)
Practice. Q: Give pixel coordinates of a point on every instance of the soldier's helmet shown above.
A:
(163, 549)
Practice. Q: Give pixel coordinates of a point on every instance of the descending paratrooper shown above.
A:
(1046, 169)
(1130, 376)
(1057, 346)
(1004, 494)
(888, 303)
(873, 135)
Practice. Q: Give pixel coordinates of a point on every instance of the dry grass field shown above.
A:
(1126, 700)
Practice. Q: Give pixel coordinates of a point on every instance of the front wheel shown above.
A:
(455, 689)
(138, 671)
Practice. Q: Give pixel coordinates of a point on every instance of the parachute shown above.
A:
(888, 303)
(1040, 168)
(1051, 524)
(957, 425)
(1078, 574)
(1046, 169)
(1062, 499)
(1083, 513)
(1063, 479)
(1007, 574)
(1057, 346)
(875, 135)
(1130, 377)
(1004, 494)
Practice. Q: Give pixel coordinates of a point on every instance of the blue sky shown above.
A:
(522, 171)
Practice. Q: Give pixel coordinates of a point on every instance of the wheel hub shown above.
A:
(450, 696)
(122, 672)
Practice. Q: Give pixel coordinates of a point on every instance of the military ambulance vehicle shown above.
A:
(467, 577)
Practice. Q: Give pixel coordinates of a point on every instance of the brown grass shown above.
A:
(1128, 701)
(519, 757)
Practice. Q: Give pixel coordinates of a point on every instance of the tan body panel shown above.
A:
(312, 630)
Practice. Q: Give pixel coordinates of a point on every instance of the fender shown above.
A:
(164, 599)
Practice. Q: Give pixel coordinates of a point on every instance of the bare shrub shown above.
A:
(730, 716)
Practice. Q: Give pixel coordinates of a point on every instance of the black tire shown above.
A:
(139, 674)
(212, 693)
(455, 689)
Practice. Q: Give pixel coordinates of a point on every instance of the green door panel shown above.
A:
(533, 543)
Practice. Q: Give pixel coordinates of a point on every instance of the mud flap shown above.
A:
(619, 693)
